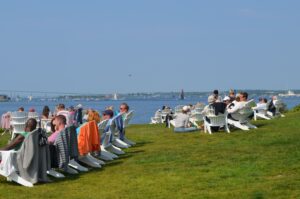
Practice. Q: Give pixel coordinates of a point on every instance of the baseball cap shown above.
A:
(108, 112)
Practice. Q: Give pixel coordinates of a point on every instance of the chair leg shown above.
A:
(227, 128)
(209, 129)
(55, 174)
(16, 178)
(115, 150)
(77, 166)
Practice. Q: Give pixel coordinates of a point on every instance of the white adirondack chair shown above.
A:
(196, 117)
(115, 143)
(116, 134)
(260, 113)
(278, 105)
(34, 115)
(105, 155)
(18, 120)
(46, 125)
(127, 119)
(157, 119)
(8, 168)
(243, 118)
(216, 121)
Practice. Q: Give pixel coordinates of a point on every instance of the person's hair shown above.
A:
(52, 125)
(216, 92)
(21, 109)
(61, 106)
(126, 106)
(265, 100)
(94, 115)
(245, 95)
(46, 111)
(30, 125)
(231, 92)
(109, 108)
(62, 119)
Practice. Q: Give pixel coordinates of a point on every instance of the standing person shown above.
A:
(17, 142)
(182, 123)
(78, 115)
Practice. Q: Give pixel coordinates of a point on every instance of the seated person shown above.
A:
(107, 115)
(227, 100)
(217, 96)
(168, 115)
(46, 113)
(93, 115)
(62, 111)
(213, 108)
(217, 107)
(271, 106)
(17, 142)
(261, 105)
(124, 109)
(232, 95)
(182, 123)
(238, 105)
(60, 124)
(21, 109)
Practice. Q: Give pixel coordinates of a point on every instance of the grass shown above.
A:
(262, 163)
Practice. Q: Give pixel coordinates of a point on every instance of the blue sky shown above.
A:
(154, 45)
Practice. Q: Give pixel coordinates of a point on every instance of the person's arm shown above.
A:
(234, 109)
(19, 139)
(186, 122)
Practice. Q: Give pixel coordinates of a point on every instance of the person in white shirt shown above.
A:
(61, 111)
(233, 111)
(262, 104)
(182, 123)
(208, 109)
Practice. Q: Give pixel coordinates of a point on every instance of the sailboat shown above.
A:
(115, 97)
(182, 95)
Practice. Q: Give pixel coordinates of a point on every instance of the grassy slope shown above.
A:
(263, 163)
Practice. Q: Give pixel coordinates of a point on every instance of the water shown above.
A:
(144, 109)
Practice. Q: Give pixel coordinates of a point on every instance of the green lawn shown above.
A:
(262, 163)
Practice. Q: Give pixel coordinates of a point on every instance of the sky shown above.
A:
(149, 46)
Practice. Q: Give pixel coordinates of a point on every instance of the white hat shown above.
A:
(226, 98)
(186, 108)
(79, 106)
(211, 99)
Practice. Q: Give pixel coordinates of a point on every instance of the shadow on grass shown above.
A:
(70, 177)
(140, 144)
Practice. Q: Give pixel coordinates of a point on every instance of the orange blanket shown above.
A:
(88, 138)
